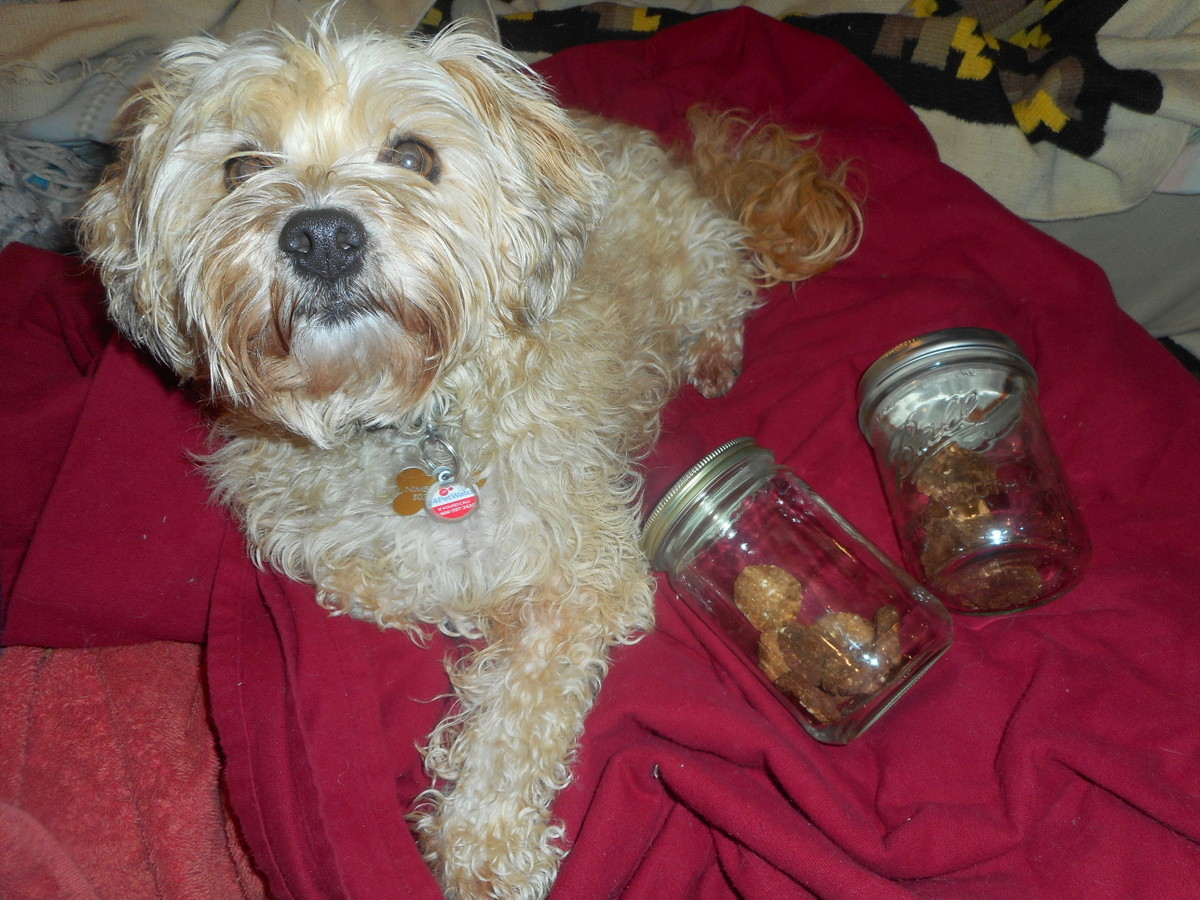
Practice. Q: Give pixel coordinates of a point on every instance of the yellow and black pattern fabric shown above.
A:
(1058, 108)
(537, 34)
(1001, 62)
(1034, 66)
(553, 30)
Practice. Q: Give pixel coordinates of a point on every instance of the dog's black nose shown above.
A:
(325, 243)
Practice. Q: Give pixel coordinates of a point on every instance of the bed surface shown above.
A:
(1051, 753)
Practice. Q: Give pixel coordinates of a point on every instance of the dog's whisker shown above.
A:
(282, 318)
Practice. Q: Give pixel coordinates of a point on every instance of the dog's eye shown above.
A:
(409, 153)
(243, 166)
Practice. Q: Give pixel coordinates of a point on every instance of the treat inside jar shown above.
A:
(960, 486)
(767, 595)
(956, 483)
(840, 656)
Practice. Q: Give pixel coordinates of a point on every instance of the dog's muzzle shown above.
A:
(324, 243)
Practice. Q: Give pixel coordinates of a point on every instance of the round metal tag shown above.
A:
(451, 501)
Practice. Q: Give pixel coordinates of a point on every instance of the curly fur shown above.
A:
(537, 293)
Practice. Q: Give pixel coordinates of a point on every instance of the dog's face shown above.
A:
(320, 231)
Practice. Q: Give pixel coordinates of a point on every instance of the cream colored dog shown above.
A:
(436, 318)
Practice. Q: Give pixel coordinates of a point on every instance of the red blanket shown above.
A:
(109, 779)
(1053, 753)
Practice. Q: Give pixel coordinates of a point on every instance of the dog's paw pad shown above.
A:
(717, 366)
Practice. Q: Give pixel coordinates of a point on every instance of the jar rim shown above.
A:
(931, 350)
(682, 496)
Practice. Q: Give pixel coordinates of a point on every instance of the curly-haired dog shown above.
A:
(436, 317)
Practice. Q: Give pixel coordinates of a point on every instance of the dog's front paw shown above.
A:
(717, 363)
(491, 853)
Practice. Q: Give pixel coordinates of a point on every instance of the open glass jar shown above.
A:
(975, 488)
(833, 627)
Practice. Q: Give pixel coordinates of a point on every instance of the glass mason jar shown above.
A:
(835, 629)
(976, 491)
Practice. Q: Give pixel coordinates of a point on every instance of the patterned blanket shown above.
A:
(1058, 108)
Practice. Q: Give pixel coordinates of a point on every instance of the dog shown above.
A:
(434, 318)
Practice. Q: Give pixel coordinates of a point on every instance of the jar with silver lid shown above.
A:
(976, 491)
(833, 627)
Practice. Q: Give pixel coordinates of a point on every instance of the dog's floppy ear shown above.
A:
(555, 188)
(114, 225)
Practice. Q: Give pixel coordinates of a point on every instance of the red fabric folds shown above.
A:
(108, 779)
(106, 533)
(1052, 753)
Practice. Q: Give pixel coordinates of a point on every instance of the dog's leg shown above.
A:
(507, 753)
(716, 361)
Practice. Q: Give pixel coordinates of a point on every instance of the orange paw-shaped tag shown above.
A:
(413, 484)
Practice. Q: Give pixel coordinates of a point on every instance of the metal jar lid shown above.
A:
(938, 348)
(692, 504)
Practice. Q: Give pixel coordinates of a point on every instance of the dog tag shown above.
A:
(413, 484)
(449, 499)
(435, 486)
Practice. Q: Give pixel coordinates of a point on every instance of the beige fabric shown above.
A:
(47, 50)
(1148, 253)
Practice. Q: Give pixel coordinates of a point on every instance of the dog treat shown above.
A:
(999, 584)
(950, 531)
(771, 658)
(804, 650)
(956, 475)
(767, 596)
(958, 484)
(840, 656)
(822, 706)
(850, 665)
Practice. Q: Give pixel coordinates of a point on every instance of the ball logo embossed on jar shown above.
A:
(915, 437)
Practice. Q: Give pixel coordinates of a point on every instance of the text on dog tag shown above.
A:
(413, 484)
(451, 500)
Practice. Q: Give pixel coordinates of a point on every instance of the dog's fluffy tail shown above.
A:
(800, 216)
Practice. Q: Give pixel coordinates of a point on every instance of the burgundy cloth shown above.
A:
(1051, 753)
(106, 534)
